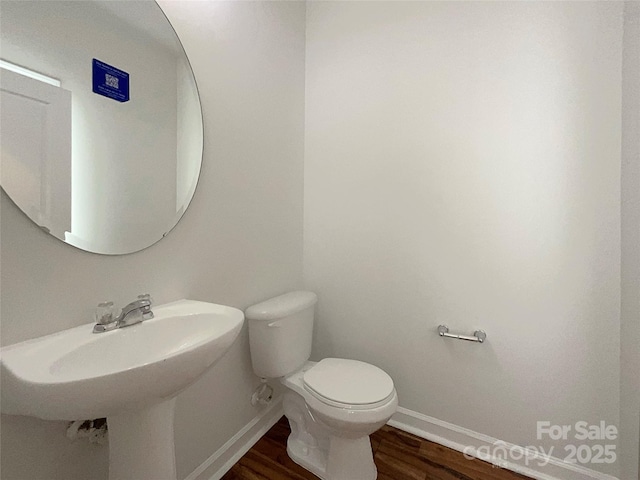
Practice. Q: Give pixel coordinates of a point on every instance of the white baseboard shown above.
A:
(484, 447)
(453, 436)
(221, 461)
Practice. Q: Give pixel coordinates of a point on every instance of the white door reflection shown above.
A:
(35, 148)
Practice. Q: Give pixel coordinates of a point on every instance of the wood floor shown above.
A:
(398, 456)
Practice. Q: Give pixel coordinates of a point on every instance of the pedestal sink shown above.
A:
(129, 375)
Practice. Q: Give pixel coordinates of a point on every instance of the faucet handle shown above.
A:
(104, 313)
(146, 296)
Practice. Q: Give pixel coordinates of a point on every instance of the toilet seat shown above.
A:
(349, 384)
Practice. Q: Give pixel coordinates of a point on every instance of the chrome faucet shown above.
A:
(133, 313)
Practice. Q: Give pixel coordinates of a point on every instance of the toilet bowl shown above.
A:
(329, 437)
(332, 405)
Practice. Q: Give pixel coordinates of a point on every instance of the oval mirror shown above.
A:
(101, 138)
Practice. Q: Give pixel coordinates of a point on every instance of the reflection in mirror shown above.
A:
(101, 139)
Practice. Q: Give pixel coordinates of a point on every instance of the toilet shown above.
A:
(332, 405)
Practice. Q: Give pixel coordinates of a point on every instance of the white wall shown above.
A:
(630, 318)
(239, 242)
(462, 166)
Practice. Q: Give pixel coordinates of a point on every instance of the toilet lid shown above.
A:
(348, 381)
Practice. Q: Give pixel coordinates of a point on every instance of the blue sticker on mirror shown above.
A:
(110, 81)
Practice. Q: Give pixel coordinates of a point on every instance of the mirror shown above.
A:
(101, 139)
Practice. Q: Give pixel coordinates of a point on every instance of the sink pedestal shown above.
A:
(141, 444)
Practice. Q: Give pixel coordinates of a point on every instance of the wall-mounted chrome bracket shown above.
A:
(478, 336)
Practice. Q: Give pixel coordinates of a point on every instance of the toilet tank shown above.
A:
(280, 333)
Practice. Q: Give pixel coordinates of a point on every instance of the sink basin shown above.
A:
(76, 374)
(129, 375)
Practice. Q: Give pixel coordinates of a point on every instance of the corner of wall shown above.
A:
(629, 453)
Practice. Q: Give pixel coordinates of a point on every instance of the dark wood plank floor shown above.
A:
(398, 456)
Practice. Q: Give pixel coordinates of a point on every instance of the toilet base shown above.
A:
(309, 459)
(350, 459)
(316, 448)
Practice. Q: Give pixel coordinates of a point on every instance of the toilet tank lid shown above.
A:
(281, 306)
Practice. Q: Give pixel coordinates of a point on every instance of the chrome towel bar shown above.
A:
(478, 336)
